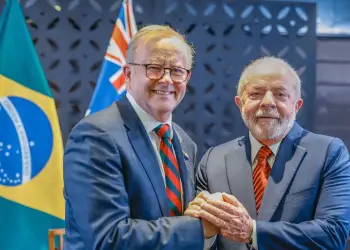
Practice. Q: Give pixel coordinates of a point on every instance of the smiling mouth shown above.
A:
(267, 117)
(160, 92)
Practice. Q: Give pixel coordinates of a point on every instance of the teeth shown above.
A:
(162, 92)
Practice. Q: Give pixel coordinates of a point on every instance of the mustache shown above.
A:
(266, 113)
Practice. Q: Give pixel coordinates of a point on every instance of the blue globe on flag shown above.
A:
(26, 140)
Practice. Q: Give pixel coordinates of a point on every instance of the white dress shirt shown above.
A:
(255, 147)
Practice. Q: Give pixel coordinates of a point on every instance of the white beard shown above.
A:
(270, 130)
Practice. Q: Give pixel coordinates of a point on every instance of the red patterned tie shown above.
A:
(171, 169)
(260, 175)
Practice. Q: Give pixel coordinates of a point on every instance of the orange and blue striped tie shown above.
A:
(171, 169)
(260, 175)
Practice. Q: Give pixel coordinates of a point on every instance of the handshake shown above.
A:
(222, 214)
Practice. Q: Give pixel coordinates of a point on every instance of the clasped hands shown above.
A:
(222, 214)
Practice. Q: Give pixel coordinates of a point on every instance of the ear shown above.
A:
(298, 105)
(238, 102)
(189, 76)
(127, 72)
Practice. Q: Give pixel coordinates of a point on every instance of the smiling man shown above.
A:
(129, 170)
(282, 186)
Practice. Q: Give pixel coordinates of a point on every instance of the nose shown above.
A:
(268, 101)
(166, 78)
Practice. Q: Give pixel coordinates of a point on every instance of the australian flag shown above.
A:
(111, 83)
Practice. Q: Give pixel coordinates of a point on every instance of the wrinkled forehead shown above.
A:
(266, 80)
(269, 69)
(166, 51)
(269, 75)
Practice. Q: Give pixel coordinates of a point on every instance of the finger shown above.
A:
(233, 222)
(203, 195)
(192, 212)
(212, 219)
(218, 212)
(197, 201)
(227, 207)
(231, 199)
(194, 207)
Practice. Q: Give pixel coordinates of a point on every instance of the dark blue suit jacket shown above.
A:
(114, 190)
(306, 204)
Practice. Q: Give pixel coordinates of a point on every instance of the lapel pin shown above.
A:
(185, 155)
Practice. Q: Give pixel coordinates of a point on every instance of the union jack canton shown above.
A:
(111, 83)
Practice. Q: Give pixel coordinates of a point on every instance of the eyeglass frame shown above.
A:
(146, 65)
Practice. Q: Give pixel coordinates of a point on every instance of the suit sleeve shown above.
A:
(330, 227)
(96, 193)
(201, 176)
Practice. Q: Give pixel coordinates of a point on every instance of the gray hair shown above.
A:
(152, 33)
(273, 62)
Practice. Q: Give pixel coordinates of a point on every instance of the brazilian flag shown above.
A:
(31, 150)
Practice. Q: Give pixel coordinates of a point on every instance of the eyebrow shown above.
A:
(171, 64)
(281, 89)
(258, 87)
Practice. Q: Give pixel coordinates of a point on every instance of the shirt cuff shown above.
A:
(254, 237)
(209, 242)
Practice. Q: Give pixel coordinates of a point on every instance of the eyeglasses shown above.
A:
(156, 72)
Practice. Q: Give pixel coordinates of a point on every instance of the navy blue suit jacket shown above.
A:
(306, 204)
(114, 189)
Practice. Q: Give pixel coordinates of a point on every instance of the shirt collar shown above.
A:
(147, 120)
(256, 145)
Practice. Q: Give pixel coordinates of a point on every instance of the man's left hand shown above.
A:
(230, 216)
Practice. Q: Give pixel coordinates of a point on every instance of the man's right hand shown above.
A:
(194, 210)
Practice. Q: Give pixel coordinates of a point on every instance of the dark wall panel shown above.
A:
(71, 37)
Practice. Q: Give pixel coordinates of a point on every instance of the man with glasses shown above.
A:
(129, 170)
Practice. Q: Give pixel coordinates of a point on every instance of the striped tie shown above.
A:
(171, 169)
(260, 175)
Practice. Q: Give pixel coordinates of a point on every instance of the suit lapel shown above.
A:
(287, 162)
(239, 175)
(187, 186)
(143, 148)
